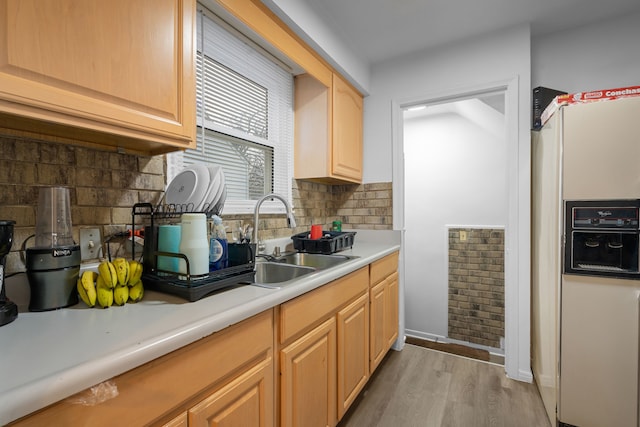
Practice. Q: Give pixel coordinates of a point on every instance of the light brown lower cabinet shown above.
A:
(308, 378)
(391, 310)
(301, 364)
(245, 401)
(353, 352)
(323, 366)
(384, 308)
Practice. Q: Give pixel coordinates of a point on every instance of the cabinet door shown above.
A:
(347, 131)
(308, 379)
(377, 332)
(116, 67)
(353, 351)
(245, 401)
(391, 310)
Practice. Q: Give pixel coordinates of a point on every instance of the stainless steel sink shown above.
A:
(277, 272)
(271, 274)
(319, 261)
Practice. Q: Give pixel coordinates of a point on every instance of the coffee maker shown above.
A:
(8, 309)
(53, 264)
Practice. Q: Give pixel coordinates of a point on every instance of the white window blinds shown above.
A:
(245, 115)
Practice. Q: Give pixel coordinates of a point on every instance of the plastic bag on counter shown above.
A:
(95, 395)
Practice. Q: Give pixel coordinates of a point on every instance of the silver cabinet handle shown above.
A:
(615, 245)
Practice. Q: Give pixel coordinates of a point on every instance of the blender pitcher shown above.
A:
(53, 264)
(53, 218)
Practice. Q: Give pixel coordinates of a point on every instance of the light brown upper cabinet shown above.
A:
(328, 131)
(118, 73)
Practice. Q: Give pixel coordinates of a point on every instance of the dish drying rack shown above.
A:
(186, 285)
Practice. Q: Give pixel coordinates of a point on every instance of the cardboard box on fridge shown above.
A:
(580, 97)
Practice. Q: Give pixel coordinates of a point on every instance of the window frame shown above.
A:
(282, 163)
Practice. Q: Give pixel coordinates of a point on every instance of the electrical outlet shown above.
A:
(90, 243)
(463, 235)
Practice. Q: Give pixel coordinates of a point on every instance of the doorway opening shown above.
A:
(456, 208)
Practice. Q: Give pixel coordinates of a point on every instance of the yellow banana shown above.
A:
(108, 273)
(135, 272)
(121, 294)
(87, 287)
(122, 270)
(83, 294)
(105, 293)
(136, 292)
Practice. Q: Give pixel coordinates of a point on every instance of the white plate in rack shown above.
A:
(188, 189)
(221, 196)
(212, 190)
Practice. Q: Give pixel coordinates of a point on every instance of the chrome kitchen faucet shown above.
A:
(291, 221)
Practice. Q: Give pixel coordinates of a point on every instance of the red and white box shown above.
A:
(580, 97)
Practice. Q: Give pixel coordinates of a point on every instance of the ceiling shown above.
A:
(377, 30)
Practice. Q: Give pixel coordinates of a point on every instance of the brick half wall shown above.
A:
(476, 285)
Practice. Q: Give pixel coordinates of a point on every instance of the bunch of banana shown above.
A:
(116, 282)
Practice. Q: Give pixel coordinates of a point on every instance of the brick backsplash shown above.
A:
(364, 206)
(476, 286)
(104, 185)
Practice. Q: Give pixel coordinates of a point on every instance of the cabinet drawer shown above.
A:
(304, 312)
(383, 267)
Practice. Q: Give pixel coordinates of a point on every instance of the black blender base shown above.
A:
(8, 312)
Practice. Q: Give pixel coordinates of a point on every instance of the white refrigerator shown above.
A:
(585, 329)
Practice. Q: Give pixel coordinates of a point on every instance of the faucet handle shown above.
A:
(276, 251)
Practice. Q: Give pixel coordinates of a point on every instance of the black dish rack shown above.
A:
(185, 285)
(329, 243)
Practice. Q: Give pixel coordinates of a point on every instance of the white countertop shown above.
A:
(48, 356)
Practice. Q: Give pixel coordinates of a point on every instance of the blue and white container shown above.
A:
(218, 249)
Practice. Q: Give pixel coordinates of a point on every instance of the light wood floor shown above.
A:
(423, 387)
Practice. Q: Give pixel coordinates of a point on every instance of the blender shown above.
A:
(8, 309)
(53, 264)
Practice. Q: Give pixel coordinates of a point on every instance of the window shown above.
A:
(244, 116)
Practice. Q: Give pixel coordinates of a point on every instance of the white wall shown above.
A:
(503, 56)
(602, 56)
(458, 176)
